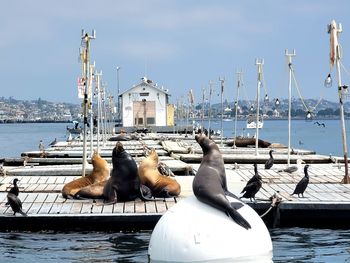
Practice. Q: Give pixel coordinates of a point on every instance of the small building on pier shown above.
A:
(146, 105)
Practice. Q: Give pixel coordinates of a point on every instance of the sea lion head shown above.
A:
(153, 155)
(205, 142)
(118, 149)
(95, 157)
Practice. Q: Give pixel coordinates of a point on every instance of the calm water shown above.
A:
(289, 244)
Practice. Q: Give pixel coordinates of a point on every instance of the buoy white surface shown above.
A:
(192, 231)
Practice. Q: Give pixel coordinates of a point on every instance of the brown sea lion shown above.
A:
(210, 185)
(124, 183)
(160, 185)
(93, 191)
(99, 173)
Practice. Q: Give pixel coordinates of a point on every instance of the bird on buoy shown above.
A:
(15, 204)
(253, 185)
(14, 190)
(303, 183)
(270, 161)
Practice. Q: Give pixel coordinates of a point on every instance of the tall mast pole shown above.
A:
(209, 114)
(118, 89)
(289, 59)
(203, 98)
(222, 81)
(98, 75)
(334, 31)
(92, 71)
(86, 41)
(260, 64)
(239, 82)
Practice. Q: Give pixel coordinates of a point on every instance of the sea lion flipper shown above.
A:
(236, 205)
(228, 193)
(238, 218)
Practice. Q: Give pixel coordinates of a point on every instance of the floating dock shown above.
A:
(43, 174)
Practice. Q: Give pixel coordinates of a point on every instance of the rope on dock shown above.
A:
(275, 200)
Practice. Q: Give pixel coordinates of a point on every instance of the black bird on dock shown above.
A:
(14, 190)
(253, 185)
(15, 204)
(270, 161)
(302, 185)
(255, 177)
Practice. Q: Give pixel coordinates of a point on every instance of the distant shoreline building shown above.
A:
(146, 105)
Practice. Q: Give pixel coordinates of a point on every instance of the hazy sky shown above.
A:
(180, 45)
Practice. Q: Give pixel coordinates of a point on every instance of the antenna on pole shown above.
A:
(259, 63)
(289, 60)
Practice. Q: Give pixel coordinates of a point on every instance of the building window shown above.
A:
(151, 121)
(143, 94)
(138, 121)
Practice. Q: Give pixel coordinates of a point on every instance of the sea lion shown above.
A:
(124, 183)
(210, 185)
(160, 185)
(99, 173)
(93, 191)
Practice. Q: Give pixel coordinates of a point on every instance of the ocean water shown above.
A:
(289, 244)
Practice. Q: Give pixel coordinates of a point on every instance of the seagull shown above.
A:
(253, 185)
(320, 124)
(270, 161)
(15, 204)
(293, 168)
(301, 186)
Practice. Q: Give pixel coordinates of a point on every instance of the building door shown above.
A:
(144, 113)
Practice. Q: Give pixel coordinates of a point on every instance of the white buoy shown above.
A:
(192, 231)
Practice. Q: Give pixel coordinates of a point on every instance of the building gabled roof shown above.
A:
(149, 83)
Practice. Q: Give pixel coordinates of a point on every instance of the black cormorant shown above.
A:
(14, 190)
(301, 186)
(253, 185)
(15, 204)
(270, 161)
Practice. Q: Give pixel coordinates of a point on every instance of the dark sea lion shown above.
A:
(124, 183)
(209, 184)
(99, 174)
(160, 185)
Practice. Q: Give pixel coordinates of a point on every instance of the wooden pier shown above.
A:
(42, 176)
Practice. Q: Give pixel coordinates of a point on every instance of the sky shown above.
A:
(180, 45)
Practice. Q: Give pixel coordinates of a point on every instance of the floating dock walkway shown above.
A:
(43, 174)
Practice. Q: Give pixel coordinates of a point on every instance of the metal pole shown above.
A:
(346, 179)
(98, 109)
(92, 69)
(118, 102)
(289, 59)
(86, 40)
(239, 81)
(259, 64)
(209, 114)
(202, 119)
(222, 81)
